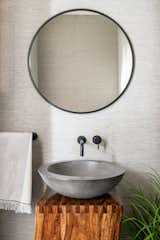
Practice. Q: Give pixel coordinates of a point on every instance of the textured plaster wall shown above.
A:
(131, 126)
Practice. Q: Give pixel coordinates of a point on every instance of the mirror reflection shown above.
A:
(80, 61)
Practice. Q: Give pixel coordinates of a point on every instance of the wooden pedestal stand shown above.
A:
(62, 218)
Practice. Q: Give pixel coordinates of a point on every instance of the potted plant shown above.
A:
(144, 221)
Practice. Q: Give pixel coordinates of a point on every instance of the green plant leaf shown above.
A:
(144, 222)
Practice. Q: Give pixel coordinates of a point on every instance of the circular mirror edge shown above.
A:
(104, 15)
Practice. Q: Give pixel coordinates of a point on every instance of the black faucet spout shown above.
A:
(82, 149)
(81, 140)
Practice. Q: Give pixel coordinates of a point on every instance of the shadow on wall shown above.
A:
(37, 185)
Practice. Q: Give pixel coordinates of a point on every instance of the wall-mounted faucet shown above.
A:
(81, 140)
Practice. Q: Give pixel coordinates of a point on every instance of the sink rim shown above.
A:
(45, 171)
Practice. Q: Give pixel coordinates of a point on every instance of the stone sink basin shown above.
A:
(81, 178)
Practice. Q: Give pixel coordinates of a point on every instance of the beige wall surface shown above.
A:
(130, 126)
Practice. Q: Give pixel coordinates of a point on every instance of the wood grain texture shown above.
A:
(62, 218)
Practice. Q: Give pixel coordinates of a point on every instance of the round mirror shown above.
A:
(81, 61)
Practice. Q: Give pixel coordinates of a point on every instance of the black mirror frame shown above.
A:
(104, 15)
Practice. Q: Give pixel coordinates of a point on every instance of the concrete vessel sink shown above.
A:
(81, 178)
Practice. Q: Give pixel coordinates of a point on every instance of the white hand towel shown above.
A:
(16, 171)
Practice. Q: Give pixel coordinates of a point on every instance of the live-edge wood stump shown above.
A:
(62, 218)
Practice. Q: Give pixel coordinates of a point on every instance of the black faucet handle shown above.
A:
(97, 140)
